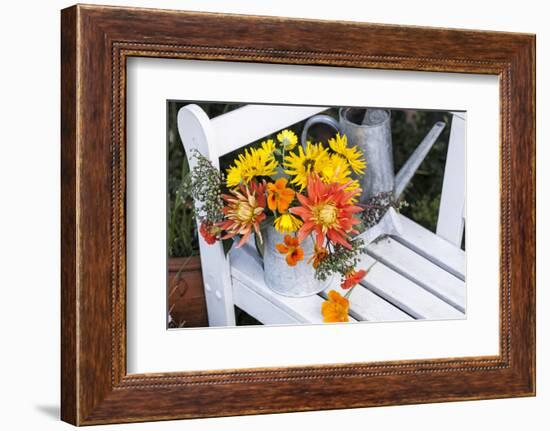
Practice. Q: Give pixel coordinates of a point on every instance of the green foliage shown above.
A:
(424, 192)
(182, 234)
(341, 260)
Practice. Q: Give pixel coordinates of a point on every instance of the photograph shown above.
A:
(321, 214)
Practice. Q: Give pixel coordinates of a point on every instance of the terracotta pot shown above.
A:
(186, 301)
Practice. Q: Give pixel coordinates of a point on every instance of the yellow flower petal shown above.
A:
(352, 155)
(287, 223)
(300, 165)
(288, 139)
(268, 146)
(250, 164)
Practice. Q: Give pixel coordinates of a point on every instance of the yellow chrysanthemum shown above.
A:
(288, 139)
(302, 164)
(253, 163)
(337, 170)
(354, 185)
(287, 223)
(352, 155)
(268, 146)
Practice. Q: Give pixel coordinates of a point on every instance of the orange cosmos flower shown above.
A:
(291, 247)
(244, 211)
(327, 210)
(335, 308)
(352, 278)
(279, 196)
(319, 253)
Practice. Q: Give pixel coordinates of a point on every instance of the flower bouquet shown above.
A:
(300, 202)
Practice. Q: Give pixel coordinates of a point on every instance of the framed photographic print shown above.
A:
(254, 205)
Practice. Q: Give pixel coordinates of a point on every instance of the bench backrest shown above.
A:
(452, 208)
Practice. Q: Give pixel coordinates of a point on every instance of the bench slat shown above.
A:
(420, 271)
(246, 269)
(246, 298)
(366, 305)
(434, 248)
(404, 293)
(252, 122)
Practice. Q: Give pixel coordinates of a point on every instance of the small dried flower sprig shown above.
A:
(375, 208)
(206, 187)
(341, 260)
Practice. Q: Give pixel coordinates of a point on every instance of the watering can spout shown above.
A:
(408, 170)
(369, 130)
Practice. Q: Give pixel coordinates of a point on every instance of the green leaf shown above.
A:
(227, 244)
(259, 245)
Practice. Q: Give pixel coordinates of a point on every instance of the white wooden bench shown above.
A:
(419, 274)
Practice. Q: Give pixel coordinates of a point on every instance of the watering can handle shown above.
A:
(323, 119)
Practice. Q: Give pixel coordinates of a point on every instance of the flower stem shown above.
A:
(348, 293)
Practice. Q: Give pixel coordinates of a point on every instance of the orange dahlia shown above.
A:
(352, 278)
(327, 210)
(335, 308)
(244, 211)
(291, 247)
(279, 196)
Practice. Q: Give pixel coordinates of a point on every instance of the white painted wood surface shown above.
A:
(450, 221)
(390, 224)
(404, 293)
(365, 305)
(249, 123)
(420, 270)
(433, 247)
(261, 308)
(247, 270)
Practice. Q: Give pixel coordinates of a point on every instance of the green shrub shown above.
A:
(424, 192)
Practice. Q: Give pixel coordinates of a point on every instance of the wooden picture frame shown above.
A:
(95, 43)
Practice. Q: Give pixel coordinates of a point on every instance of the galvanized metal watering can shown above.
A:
(369, 129)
